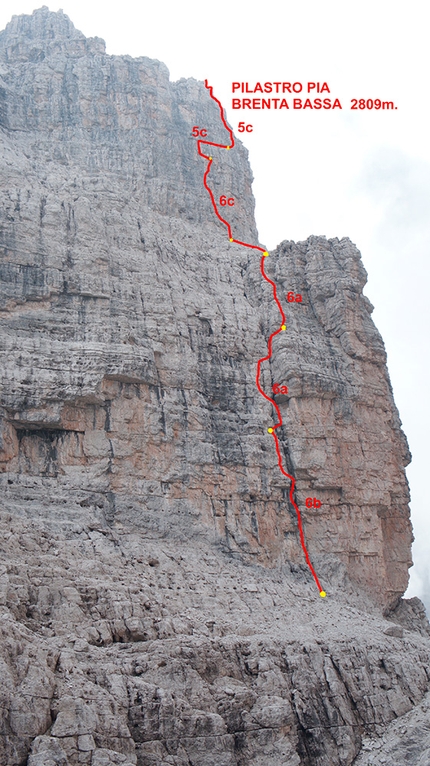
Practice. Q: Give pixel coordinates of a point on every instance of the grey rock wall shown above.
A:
(157, 608)
(118, 647)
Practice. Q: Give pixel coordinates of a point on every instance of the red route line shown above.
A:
(200, 142)
(281, 328)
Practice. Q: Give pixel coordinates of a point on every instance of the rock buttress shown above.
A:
(131, 329)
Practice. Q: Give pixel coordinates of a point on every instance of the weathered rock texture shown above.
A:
(406, 740)
(113, 641)
(157, 608)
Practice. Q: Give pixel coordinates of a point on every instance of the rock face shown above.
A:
(406, 740)
(115, 643)
(157, 606)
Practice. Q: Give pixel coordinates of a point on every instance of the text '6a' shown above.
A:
(277, 389)
(294, 297)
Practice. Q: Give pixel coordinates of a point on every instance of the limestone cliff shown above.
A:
(142, 506)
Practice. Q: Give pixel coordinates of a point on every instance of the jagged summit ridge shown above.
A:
(112, 116)
(31, 39)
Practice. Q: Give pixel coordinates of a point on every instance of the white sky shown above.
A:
(362, 174)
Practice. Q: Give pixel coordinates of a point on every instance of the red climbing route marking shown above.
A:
(221, 111)
(280, 329)
(207, 157)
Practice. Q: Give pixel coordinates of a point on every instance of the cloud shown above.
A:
(399, 186)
